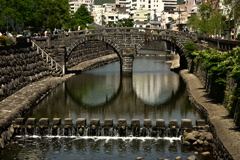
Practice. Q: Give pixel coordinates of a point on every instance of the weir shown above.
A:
(107, 129)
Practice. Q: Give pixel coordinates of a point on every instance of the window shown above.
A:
(137, 14)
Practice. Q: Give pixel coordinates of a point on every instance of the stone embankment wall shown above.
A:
(19, 67)
(213, 88)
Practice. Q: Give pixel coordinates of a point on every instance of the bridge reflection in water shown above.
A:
(152, 92)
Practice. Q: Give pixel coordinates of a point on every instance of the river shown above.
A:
(152, 92)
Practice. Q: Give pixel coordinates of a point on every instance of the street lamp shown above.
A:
(179, 18)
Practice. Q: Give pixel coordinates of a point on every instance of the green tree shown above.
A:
(233, 14)
(217, 24)
(53, 13)
(193, 22)
(125, 22)
(18, 11)
(207, 21)
(190, 48)
(38, 13)
(82, 17)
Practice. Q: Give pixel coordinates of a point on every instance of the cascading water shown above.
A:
(101, 132)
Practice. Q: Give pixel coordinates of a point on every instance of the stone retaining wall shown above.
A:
(21, 66)
(213, 88)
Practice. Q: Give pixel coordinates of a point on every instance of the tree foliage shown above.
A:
(41, 14)
(190, 48)
(220, 63)
(82, 17)
(233, 14)
(125, 22)
(206, 21)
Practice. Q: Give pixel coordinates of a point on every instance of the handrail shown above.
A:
(57, 65)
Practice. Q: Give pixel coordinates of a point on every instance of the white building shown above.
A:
(75, 4)
(169, 5)
(157, 6)
(98, 14)
(109, 13)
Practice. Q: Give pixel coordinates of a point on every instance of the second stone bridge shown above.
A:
(124, 41)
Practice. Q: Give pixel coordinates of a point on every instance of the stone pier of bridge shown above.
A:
(127, 61)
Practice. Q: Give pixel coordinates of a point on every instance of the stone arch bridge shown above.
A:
(125, 42)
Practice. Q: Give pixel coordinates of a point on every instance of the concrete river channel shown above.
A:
(152, 92)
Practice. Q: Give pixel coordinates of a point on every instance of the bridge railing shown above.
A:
(49, 59)
(131, 30)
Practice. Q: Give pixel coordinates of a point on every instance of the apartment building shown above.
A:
(75, 4)
(169, 5)
(151, 5)
(109, 13)
(141, 18)
(98, 14)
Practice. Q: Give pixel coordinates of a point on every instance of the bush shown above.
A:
(9, 41)
(3, 41)
(190, 48)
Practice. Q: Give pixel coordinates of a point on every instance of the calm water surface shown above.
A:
(152, 92)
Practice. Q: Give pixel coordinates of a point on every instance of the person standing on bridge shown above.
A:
(86, 31)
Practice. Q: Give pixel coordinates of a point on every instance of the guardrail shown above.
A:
(53, 63)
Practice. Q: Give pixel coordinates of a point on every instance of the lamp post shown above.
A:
(179, 18)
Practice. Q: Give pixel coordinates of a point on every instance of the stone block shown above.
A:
(186, 123)
(56, 121)
(95, 122)
(81, 122)
(68, 121)
(122, 122)
(108, 122)
(19, 121)
(31, 121)
(160, 123)
(200, 122)
(135, 122)
(44, 121)
(147, 123)
(173, 123)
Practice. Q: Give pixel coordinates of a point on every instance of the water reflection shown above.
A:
(152, 92)
(86, 149)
